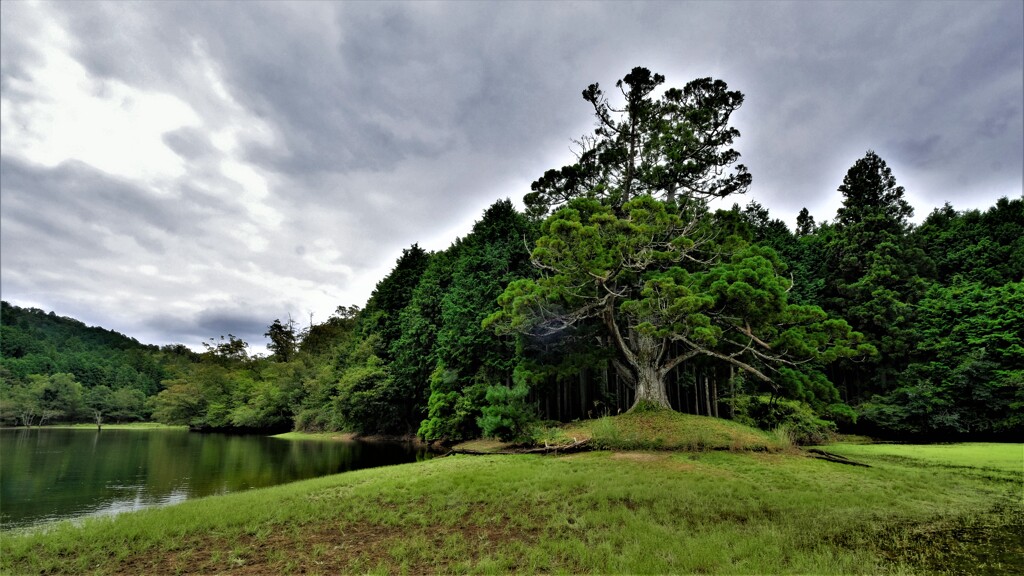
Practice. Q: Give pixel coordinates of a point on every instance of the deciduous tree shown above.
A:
(99, 401)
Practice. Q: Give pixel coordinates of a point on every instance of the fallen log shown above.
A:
(822, 455)
(575, 446)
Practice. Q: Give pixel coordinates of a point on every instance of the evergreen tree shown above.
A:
(872, 200)
(874, 273)
(283, 340)
(986, 247)
(966, 374)
(415, 350)
(469, 357)
(390, 297)
(804, 223)
(634, 246)
(678, 146)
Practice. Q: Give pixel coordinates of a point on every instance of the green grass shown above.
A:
(125, 426)
(975, 455)
(596, 512)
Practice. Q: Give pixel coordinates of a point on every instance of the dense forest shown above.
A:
(618, 288)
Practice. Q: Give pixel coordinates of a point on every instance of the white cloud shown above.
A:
(69, 115)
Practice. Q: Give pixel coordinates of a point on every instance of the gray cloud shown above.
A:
(210, 325)
(331, 135)
(189, 143)
(66, 203)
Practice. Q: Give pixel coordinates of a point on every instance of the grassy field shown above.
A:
(971, 455)
(916, 509)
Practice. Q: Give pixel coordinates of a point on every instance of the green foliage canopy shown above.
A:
(667, 292)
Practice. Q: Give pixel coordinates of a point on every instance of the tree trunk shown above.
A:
(685, 393)
(618, 393)
(650, 387)
(714, 393)
(732, 392)
(583, 395)
(567, 399)
(696, 392)
(707, 395)
(603, 396)
(558, 399)
(650, 380)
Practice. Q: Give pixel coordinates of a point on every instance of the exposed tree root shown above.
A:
(576, 446)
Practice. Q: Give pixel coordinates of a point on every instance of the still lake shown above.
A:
(57, 474)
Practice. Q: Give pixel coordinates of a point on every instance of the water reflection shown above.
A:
(49, 474)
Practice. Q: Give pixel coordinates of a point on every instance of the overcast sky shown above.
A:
(177, 171)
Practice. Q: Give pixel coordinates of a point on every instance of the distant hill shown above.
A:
(26, 329)
(34, 342)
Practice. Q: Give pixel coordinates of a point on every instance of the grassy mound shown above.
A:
(668, 430)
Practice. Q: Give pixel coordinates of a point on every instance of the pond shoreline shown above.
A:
(105, 426)
(337, 436)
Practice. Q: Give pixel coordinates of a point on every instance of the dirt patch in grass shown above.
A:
(639, 456)
(331, 548)
(315, 548)
(483, 446)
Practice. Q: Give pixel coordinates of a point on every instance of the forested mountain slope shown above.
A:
(57, 360)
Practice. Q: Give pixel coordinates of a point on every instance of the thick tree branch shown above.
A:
(729, 359)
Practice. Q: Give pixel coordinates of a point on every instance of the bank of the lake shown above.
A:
(339, 436)
(114, 426)
(320, 436)
(56, 472)
(595, 512)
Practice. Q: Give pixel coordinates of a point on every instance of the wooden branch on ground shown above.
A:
(822, 455)
(576, 446)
